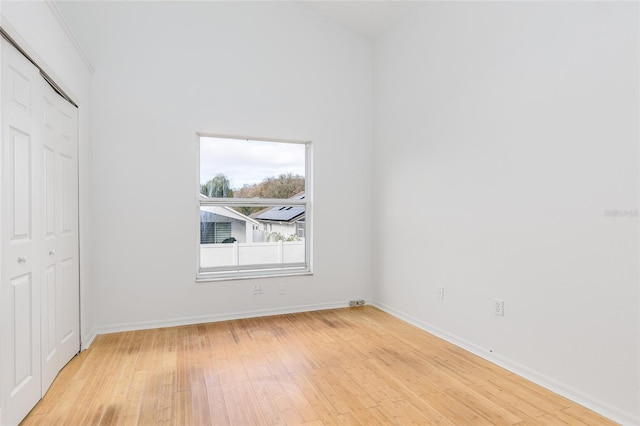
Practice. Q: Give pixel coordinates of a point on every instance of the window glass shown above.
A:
(251, 169)
(254, 208)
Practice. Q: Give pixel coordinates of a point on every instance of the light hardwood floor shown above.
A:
(356, 366)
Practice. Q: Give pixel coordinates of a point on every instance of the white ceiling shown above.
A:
(369, 18)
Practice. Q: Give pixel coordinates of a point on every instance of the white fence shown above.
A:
(212, 255)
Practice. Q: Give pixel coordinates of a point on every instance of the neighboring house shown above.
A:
(287, 220)
(219, 223)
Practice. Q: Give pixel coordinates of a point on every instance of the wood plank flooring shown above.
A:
(354, 366)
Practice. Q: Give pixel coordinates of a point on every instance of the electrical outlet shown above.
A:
(257, 289)
(440, 294)
(498, 307)
(283, 289)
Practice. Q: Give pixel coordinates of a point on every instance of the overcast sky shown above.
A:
(249, 162)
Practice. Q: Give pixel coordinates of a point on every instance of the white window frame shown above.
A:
(267, 270)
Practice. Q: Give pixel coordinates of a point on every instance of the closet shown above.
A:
(39, 273)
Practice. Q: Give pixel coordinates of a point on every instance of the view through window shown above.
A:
(254, 207)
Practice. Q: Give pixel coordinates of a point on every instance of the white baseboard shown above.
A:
(88, 339)
(146, 325)
(594, 404)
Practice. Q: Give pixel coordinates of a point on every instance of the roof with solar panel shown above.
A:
(282, 213)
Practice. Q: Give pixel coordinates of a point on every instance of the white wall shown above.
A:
(36, 28)
(509, 129)
(165, 71)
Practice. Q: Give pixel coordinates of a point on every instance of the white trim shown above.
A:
(252, 202)
(247, 274)
(88, 340)
(198, 197)
(147, 325)
(308, 211)
(250, 138)
(57, 13)
(209, 279)
(579, 397)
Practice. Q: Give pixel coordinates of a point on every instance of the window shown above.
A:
(253, 207)
(214, 232)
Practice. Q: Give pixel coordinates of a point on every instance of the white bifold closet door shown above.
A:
(60, 299)
(39, 288)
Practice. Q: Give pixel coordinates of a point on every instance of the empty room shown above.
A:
(319, 212)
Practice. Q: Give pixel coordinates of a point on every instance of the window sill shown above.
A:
(230, 277)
